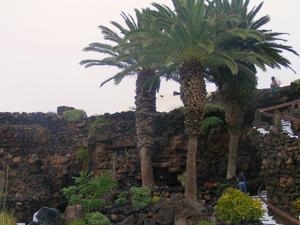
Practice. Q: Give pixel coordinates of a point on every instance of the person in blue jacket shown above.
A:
(242, 182)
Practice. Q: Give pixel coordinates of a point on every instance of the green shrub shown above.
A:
(96, 218)
(206, 222)
(88, 191)
(214, 110)
(94, 123)
(296, 206)
(155, 199)
(182, 178)
(295, 85)
(82, 155)
(235, 206)
(78, 222)
(140, 197)
(122, 198)
(74, 115)
(7, 219)
(209, 123)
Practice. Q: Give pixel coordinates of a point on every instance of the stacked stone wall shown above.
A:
(280, 167)
(40, 151)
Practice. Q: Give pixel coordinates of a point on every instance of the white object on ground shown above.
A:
(35, 219)
(266, 219)
(287, 128)
(262, 131)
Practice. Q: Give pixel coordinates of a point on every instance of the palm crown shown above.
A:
(123, 53)
(268, 50)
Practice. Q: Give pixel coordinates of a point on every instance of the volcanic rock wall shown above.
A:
(113, 148)
(40, 150)
(280, 167)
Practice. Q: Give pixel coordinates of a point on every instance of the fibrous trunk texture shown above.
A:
(145, 102)
(234, 118)
(193, 96)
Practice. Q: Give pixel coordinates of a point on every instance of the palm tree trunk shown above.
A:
(234, 118)
(191, 169)
(193, 96)
(145, 102)
(232, 156)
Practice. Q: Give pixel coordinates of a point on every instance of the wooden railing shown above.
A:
(266, 111)
(278, 212)
(283, 105)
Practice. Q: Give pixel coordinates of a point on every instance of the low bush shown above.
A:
(181, 179)
(209, 123)
(74, 115)
(97, 218)
(296, 206)
(82, 155)
(7, 219)
(78, 222)
(295, 85)
(214, 110)
(89, 192)
(95, 122)
(140, 197)
(206, 222)
(122, 199)
(234, 207)
(155, 199)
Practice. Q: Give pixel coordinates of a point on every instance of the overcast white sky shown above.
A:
(41, 43)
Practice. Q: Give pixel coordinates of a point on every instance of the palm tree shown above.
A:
(191, 38)
(238, 94)
(125, 54)
(238, 91)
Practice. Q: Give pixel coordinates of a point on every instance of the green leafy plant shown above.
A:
(235, 206)
(122, 198)
(295, 85)
(7, 219)
(78, 222)
(214, 110)
(140, 197)
(74, 115)
(82, 155)
(182, 178)
(206, 222)
(88, 191)
(155, 199)
(94, 123)
(209, 123)
(296, 206)
(97, 218)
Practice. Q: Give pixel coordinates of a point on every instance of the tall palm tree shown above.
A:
(238, 91)
(125, 54)
(191, 38)
(238, 95)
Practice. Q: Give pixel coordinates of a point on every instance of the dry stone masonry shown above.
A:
(280, 167)
(41, 152)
